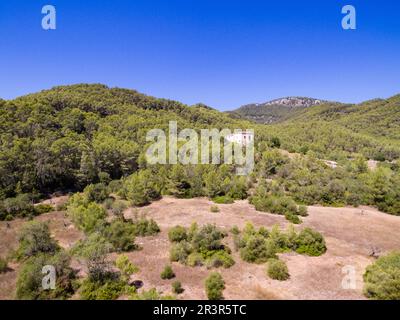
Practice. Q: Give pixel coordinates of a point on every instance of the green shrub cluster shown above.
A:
(36, 250)
(177, 287)
(215, 286)
(277, 270)
(382, 278)
(167, 273)
(258, 246)
(197, 247)
(268, 198)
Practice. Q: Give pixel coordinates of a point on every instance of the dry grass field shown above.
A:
(352, 234)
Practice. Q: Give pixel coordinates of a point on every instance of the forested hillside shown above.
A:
(339, 131)
(93, 138)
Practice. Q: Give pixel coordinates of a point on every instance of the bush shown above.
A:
(180, 252)
(29, 282)
(35, 238)
(177, 287)
(141, 188)
(93, 245)
(3, 265)
(218, 259)
(118, 208)
(277, 270)
(223, 200)
(86, 216)
(19, 207)
(382, 279)
(195, 259)
(257, 249)
(310, 242)
(121, 235)
(126, 267)
(152, 294)
(177, 234)
(43, 208)
(167, 273)
(145, 227)
(214, 286)
(214, 209)
(96, 290)
(96, 192)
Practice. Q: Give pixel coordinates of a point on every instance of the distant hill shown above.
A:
(276, 110)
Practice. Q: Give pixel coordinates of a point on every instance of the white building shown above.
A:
(242, 138)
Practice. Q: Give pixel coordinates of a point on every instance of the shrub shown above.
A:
(141, 188)
(86, 216)
(219, 258)
(19, 207)
(3, 265)
(223, 200)
(93, 245)
(195, 259)
(151, 294)
(214, 209)
(121, 235)
(145, 227)
(96, 290)
(180, 252)
(257, 249)
(303, 211)
(43, 208)
(177, 287)
(382, 279)
(126, 267)
(118, 208)
(277, 270)
(310, 242)
(214, 286)
(208, 238)
(29, 282)
(177, 234)
(96, 192)
(293, 218)
(167, 273)
(35, 238)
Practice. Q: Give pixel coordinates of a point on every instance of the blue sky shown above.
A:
(224, 53)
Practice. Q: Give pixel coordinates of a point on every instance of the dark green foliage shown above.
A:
(145, 227)
(270, 198)
(167, 273)
(141, 188)
(29, 282)
(87, 216)
(35, 238)
(96, 192)
(177, 287)
(215, 286)
(107, 290)
(277, 270)
(257, 249)
(197, 247)
(19, 207)
(121, 235)
(382, 278)
(310, 242)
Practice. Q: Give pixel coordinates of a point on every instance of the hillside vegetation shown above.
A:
(93, 138)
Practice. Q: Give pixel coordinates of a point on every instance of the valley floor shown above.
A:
(352, 234)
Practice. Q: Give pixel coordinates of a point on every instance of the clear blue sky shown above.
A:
(224, 53)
